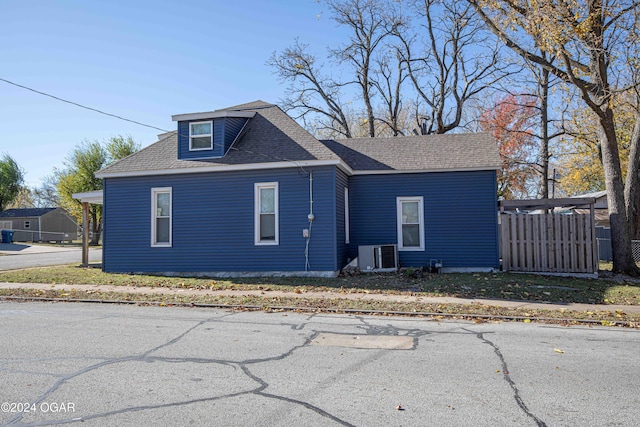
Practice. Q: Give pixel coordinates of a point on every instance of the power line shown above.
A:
(57, 98)
(81, 106)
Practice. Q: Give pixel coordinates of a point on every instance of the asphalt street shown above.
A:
(115, 365)
(16, 256)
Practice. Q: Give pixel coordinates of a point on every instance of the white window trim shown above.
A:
(256, 203)
(154, 211)
(399, 201)
(191, 136)
(346, 216)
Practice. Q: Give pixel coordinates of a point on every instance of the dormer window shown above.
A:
(196, 139)
(200, 136)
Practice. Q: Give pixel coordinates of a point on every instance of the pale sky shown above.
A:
(143, 60)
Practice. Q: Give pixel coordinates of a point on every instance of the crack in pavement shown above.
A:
(260, 390)
(137, 409)
(18, 417)
(507, 377)
(146, 356)
(263, 386)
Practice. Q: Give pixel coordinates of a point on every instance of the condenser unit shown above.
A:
(378, 258)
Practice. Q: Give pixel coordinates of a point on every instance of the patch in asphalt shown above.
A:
(383, 342)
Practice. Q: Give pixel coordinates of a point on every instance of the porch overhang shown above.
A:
(87, 198)
(91, 197)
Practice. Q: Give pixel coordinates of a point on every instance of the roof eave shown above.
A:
(400, 171)
(282, 165)
(223, 168)
(212, 115)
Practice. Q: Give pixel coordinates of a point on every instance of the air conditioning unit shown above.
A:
(378, 258)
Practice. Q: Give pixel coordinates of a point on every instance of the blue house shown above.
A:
(245, 190)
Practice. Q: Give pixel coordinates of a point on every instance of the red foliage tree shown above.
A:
(510, 121)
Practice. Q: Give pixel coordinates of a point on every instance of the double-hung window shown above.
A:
(410, 223)
(266, 213)
(200, 136)
(161, 216)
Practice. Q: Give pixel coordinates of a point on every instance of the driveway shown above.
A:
(18, 255)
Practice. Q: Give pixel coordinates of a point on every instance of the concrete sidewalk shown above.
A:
(143, 290)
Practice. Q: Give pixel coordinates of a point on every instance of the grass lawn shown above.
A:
(506, 286)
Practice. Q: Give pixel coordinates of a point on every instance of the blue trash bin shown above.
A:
(7, 236)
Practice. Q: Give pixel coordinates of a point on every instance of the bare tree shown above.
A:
(318, 99)
(310, 94)
(542, 82)
(455, 63)
(371, 23)
(46, 196)
(389, 84)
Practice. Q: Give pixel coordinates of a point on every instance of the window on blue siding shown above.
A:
(410, 223)
(200, 136)
(161, 216)
(266, 213)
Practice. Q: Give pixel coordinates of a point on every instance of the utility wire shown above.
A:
(81, 106)
(140, 123)
(307, 265)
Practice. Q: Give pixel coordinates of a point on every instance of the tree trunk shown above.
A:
(95, 227)
(544, 144)
(620, 227)
(366, 95)
(632, 182)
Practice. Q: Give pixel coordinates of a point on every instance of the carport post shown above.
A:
(85, 234)
(93, 197)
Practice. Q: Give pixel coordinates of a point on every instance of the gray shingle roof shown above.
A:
(419, 153)
(272, 136)
(26, 212)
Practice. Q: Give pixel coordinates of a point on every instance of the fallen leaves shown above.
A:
(557, 350)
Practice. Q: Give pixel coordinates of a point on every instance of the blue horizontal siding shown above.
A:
(460, 216)
(232, 127)
(213, 223)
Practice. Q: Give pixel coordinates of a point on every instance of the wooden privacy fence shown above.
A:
(548, 242)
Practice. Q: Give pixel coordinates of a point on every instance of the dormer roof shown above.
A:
(270, 139)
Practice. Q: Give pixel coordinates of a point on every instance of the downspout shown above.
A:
(310, 217)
